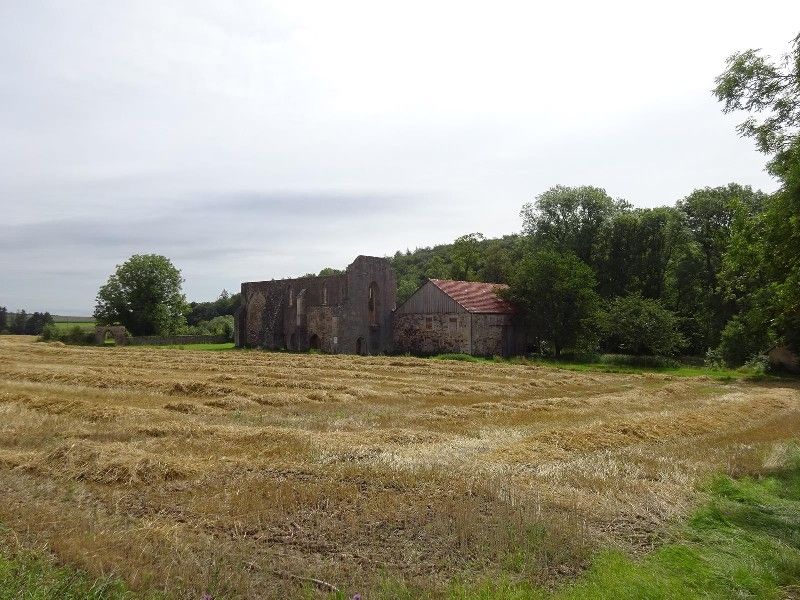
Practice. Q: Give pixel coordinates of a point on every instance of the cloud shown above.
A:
(266, 140)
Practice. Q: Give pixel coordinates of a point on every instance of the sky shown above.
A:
(254, 140)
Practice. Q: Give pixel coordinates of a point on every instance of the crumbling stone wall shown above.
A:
(347, 312)
(118, 332)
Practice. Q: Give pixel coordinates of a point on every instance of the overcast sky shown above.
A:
(252, 140)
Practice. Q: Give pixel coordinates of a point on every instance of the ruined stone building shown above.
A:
(349, 313)
(457, 316)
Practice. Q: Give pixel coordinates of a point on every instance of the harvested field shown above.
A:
(245, 472)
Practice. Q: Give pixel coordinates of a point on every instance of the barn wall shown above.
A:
(429, 299)
(433, 333)
(489, 334)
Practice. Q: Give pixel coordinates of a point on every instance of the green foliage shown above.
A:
(642, 326)
(762, 269)
(757, 85)
(470, 256)
(459, 356)
(27, 576)
(465, 255)
(709, 215)
(225, 304)
(635, 250)
(37, 322)
(569, 219)
(645, 361)
(742, 339)
(73, 334)
(145, 295)
(555, 293)
(21, 323)
(17, 325)
(222, 326)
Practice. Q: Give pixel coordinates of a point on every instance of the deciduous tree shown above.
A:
(569, 219)
(642, 326)
(145, 295)
(762, 266)
(555, 292)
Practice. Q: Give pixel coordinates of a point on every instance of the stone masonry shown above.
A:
(349, 313)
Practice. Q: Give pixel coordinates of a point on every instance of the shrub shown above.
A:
(74, 335)
(741, 340)
(757, 367)
(642, 326)
(221, 326)
(714, 358)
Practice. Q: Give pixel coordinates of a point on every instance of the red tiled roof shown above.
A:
(475, 297)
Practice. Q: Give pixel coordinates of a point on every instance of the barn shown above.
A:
(467, 317)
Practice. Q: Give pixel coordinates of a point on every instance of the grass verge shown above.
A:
(26, 575)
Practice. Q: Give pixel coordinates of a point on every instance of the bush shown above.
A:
(75, 335)
(642, 326)
(714, 358)
(757, 367)
(222, 326)
(742, 339)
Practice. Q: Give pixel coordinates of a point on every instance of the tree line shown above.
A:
(22, 323)
(715, 274)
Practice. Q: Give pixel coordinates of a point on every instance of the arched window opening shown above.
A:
(373, 303)
(360, 346)
(291, 296)
(313, 342)
(324, 294)
(301, 308)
